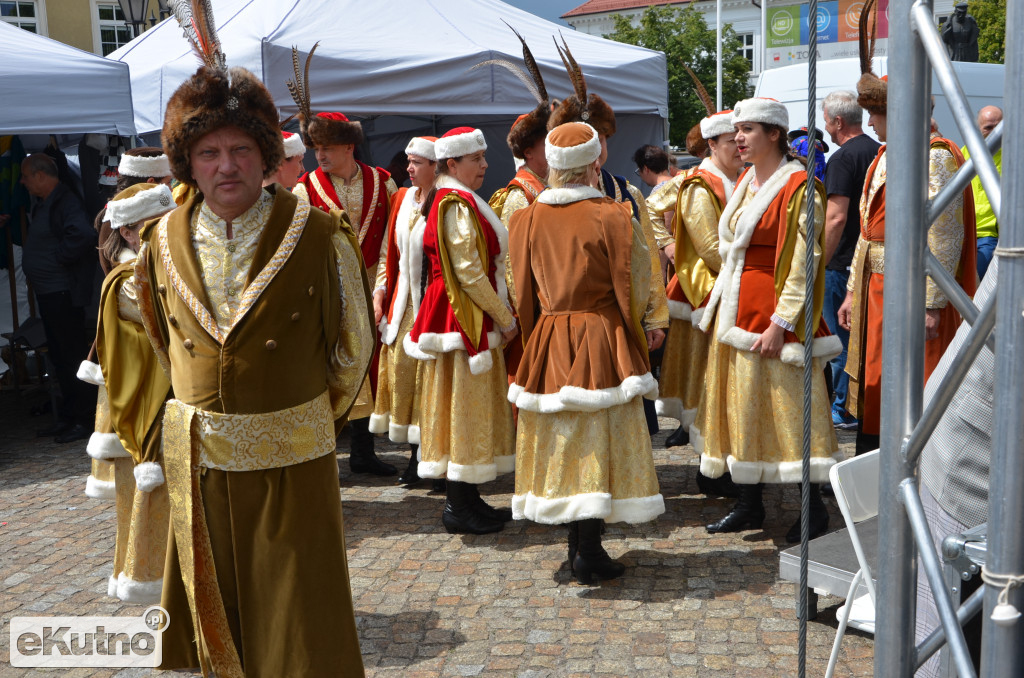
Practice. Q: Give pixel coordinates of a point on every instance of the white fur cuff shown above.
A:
(679, 310)
(398, 433)
(421, 147)
(561, 510)
(112, 586)
(139, 592)
(146, 204)
(750, 472)
(565, 196)
(673, 409)
(576, 399)
(569, 157)
(379, 423)
(105, 446)
(458, 145)
(139, 166)
(433, 469)
(99, 489)
(148, 476)
(90, 373)
(414, 434)
(472, 473)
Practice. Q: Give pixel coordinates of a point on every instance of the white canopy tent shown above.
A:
(48, 87)
(403, 68)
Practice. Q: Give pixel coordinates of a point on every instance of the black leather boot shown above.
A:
(363, 458)
(411, 476)
(485, 509)
(678, 438)
(439, 485)
(461, 515)
(717, 487)
(591, 559)
(818, 518)
(748, 513)
(574, 544)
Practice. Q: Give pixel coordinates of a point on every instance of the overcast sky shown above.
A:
(547, 9)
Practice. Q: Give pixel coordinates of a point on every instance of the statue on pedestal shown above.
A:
(960, 34)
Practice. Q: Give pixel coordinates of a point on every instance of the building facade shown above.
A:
(96, 26)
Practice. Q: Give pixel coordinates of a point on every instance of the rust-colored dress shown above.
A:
(582, 447)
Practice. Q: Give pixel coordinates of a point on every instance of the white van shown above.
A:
(982, 83)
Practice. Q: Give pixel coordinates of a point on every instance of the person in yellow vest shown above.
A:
(748, 421)
(397, 405)
(341, 182)
(136, 389)
(702, 197)
(258, 308)
(582, 453)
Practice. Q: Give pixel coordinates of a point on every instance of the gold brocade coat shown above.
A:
(272, 538)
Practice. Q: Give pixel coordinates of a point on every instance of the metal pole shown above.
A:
(937, 638)
(764, 35)
(718, 39)
(903, 344)
(1003, 646)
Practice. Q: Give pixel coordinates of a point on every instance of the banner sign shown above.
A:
(836, 25)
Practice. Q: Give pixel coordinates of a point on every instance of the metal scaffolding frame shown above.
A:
(905, 425)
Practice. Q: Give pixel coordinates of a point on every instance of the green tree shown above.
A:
(684, 37)
(991, 18)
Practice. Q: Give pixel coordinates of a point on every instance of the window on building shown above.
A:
(20, 14)
(114, 32)
(746, 49)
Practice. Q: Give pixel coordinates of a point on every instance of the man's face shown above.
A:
(989, 119)
(331, 158)
(30, 180)
(228, 168)
(535, 158)
(877, 122)
(831, 126)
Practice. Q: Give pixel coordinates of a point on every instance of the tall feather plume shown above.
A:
(196, 20)
(868, 28)
(516, 71)
(579, 83)
(702, 93)
(531, 66)
(299, 87)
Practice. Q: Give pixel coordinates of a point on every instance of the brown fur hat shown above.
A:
(872, 93)
(871, 90)
(528, 129)
(329, 129)
(212, 99)
(696, 144)
(598, 114)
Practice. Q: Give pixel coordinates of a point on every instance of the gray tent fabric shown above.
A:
(403, 68)
(48, 87)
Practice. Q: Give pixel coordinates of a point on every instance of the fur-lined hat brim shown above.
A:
(210, 100)
(529, 130)
(598, 114)
(322, 131)
(872, 93)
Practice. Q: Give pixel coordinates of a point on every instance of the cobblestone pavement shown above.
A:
(433, 604)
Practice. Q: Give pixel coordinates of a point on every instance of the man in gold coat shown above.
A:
(258, 307)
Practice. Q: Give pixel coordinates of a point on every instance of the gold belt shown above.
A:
(876, 256)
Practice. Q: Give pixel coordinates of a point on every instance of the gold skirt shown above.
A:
(579, 465)
(682, 372)
(396, 410)
(750, 419)
(466, 431)
(143, 519)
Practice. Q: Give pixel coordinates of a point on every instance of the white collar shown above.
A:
(568, 194)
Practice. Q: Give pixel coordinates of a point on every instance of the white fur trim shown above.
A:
(679, 310)
(90, 373)
(565, 196)
(148, 476)
(433, 469)
(749, 472)
(568, 157)
(402, 286)
(379, 423)
(458, 145)
(761, 109)
(398, 433)
(696, 315)
(719, 123)
(576, 399)
(112, 586)
(126, 256)
(105, 446)
(733, 246)
(99, 489)
(673, 409)
(146, 204)
(792, 352)
(412, 349)
(414, 434)
(413, 274)
(472, 473)
(139, 592)
(481, 363)
(563, 510)
(293, 146)
(506, 464)
(139, 166)
(708, 165)
(421, 147)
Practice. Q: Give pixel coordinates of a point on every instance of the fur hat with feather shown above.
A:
(216, 97)
(322, 129)
(581, 107)
(872, 91)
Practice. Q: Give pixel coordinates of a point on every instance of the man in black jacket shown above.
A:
(59, 260)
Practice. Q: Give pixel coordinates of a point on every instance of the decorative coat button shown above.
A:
(231, 248)
(171, 319)
(231, 291)
(310, 291)
(271, 345)
(295, 316)
(162, 289)
(188, 344)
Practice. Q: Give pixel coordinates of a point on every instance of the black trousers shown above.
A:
(64, 324)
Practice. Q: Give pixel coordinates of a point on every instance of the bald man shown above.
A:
(988, 224)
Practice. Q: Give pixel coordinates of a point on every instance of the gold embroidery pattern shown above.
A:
(144, 293)
(351, 354)
(204, 317)
(315, 180)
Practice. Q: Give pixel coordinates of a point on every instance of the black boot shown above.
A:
(591, 559)
(574, 544)
(362, 458)
(439, 485)
(460, 513)
(486, 510)
(678, 438)
(717, 487)
(748, 513)
(411, 475)
(818, 518)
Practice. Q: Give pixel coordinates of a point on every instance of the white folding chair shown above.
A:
(855, 482)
